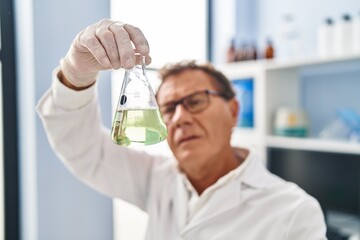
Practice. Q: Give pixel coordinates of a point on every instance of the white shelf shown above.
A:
(246, 136)
(280, 84)
(305, 62)
(314, 144)
(275, 64)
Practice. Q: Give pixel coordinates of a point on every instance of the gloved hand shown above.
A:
(104, 45)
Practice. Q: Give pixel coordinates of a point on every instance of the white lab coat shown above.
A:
(257, 205)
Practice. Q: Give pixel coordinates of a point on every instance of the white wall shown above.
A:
(176, 30)
(54, 204)
(224, 28)
(26, 91)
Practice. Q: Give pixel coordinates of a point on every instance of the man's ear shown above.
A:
(234, 107)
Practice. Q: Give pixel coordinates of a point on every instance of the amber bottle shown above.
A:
(269, 50)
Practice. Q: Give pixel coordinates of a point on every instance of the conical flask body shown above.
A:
(137, 119)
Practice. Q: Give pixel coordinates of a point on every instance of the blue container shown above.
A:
(244, 89)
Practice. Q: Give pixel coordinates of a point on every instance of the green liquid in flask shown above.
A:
(138, 127)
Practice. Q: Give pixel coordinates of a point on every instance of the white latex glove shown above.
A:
(104, 45)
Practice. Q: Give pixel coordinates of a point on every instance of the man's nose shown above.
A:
(181, 115)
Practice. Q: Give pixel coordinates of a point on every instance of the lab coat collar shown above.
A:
(228, 197)
(255, 175)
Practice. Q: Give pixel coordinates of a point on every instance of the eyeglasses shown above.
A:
(194, 103)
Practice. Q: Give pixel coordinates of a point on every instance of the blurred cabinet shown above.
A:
(318, 86)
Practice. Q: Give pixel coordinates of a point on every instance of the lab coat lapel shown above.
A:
(180, 200)
(221, 201)
(255, 176)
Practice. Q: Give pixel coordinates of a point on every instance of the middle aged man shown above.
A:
(209, 190)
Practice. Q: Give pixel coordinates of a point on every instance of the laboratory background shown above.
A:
(295, 66)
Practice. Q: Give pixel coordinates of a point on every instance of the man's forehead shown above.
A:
(178, 86)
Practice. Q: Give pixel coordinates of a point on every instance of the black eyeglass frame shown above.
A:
(183, 101)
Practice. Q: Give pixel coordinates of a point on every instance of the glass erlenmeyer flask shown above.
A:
(137, 118)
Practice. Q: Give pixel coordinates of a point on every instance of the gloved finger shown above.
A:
(137, 37)
(140, 59)
(88, 40)
(107, 40)
(123, 41)
(147, 60)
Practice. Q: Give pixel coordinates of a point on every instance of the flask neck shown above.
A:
(139, 64)
(139, 60)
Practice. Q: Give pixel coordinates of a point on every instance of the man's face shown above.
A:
(196, 137)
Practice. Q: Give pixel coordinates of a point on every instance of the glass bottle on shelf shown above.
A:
(343, 36)
(231, 51)
(241, 52)
(356, 33)
(290, 39)
(251, 51)
(269, 49)
(325, 38)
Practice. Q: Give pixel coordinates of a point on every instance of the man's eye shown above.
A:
(195, 101)
(168, 109)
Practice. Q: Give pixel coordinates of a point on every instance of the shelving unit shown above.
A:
(299, 84)
(319, 87)
(313, 144)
